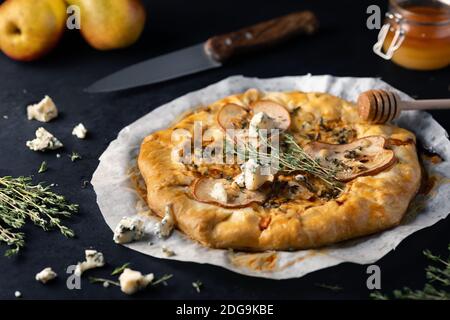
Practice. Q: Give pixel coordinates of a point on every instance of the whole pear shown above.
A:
(29, 29)
(111, 24)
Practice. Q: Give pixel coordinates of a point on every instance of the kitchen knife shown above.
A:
(211, 54)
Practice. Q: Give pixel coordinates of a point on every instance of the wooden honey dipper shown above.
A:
(379, 106)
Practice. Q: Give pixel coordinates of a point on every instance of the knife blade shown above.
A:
(210, 54)
(172, 65)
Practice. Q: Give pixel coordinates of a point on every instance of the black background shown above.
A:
(342, 48)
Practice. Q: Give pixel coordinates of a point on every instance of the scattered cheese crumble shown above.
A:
(260, 121)
(80, 131)
(240, 180)
(44, 141)
(219, 193)
(132, 281)
(255, 175)
(164, 228)
(46, 275)
(94, 259)
(129, 229)
(43, 111)
(167, 251)
(300, 178)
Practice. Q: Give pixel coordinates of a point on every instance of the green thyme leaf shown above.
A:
(378, 296)
(43, 167)
(75, 156)
(120, 269)
(197, 285)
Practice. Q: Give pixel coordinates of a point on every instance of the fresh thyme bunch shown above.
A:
(20, 200)
(438, 278)
(291, 157)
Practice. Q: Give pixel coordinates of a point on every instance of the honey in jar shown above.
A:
(417, 34)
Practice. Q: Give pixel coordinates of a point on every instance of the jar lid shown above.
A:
(422, 12)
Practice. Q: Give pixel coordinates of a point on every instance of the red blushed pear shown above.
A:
(29, 29)
(111, 24)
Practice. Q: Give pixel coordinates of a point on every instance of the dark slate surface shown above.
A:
(342, 48)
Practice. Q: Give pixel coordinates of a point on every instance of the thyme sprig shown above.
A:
(438, 278)
(13, 239)
(292, 158)
(329, 286)
(162, 280)
(20, 201)
(298, 160)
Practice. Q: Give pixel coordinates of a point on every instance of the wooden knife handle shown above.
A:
(261, 35)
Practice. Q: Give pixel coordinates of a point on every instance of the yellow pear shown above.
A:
(110, 24)
(29, 29)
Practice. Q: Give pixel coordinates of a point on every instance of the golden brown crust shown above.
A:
(369, 204)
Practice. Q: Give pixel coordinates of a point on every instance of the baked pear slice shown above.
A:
(232, 116)
(362, 157)
(237, 197)
(281, 116)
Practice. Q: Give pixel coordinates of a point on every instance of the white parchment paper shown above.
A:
(117, 198)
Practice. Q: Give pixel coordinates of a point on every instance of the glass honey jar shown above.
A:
(416, 34)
